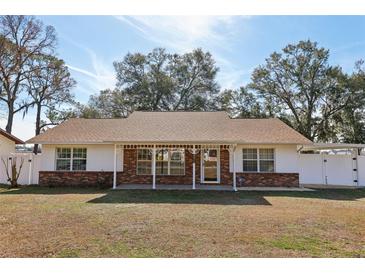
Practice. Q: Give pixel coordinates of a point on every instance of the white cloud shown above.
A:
(100, 76)
(184, 33)
(83, 71)
(232, 79)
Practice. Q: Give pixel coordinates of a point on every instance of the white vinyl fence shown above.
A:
(28, 173)
(332, 169)
(361, 167)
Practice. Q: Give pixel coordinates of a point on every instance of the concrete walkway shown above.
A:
(313, 186)
(274, 189)
(210, 187)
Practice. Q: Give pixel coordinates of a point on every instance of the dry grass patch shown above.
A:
(69, 222)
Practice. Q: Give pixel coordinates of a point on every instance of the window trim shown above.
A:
(258, 159)
(71, 159)
(168, 162)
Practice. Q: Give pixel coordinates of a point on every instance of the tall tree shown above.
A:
(110, 103)
(21, 39)
(349, 123)
(240, 103)
(163, 81)
(49, 87)
(301, 80)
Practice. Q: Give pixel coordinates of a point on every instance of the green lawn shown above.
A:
(69, 222)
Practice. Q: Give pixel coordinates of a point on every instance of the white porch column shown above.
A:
(154, 167)
(115, 167)
(232, 150)
(194, 153)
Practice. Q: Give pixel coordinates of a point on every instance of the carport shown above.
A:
(332, 164)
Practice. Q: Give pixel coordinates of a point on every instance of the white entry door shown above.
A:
(210, 166)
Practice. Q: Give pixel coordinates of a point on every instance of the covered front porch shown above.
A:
(174, 166)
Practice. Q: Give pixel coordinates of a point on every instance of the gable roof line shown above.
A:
(11, 137)
(177, 126)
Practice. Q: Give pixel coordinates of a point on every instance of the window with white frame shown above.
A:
(71, 158)
(168, 162)
(258, 159)
(177, 162)
(267, 162)
(144, 162)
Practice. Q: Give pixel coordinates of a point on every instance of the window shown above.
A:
(144, 162)
(177, 162)
(63, 159)
(266, 159)
(79, 159)
(249, 159)
(71, 158)
(162, 162)
(261, 160)
(168, 162)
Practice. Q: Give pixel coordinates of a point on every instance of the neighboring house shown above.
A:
(7, 147)
(156, 148)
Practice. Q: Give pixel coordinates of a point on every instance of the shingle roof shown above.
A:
(11, 137)
(164, 127)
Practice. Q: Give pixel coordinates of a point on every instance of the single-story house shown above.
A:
(154, 148)
(7, 148)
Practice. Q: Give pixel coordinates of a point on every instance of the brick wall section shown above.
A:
(129, 175)
(269, 179)
(226, 176)
(76, 178)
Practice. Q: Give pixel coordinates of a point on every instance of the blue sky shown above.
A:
(90, 44)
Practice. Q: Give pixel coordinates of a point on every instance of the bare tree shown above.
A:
(21, 39)
(14, 174)
(49, 87)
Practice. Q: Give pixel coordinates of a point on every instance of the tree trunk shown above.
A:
(9, 124)
(13, 181)
(37, 126)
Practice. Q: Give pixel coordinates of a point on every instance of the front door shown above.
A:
(210, 162)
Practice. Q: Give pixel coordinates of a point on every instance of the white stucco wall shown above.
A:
(7, 147)
(99, 157)
(286, 157)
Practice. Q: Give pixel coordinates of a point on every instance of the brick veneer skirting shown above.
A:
(76, 178)
(129, 175)
(268, 179)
